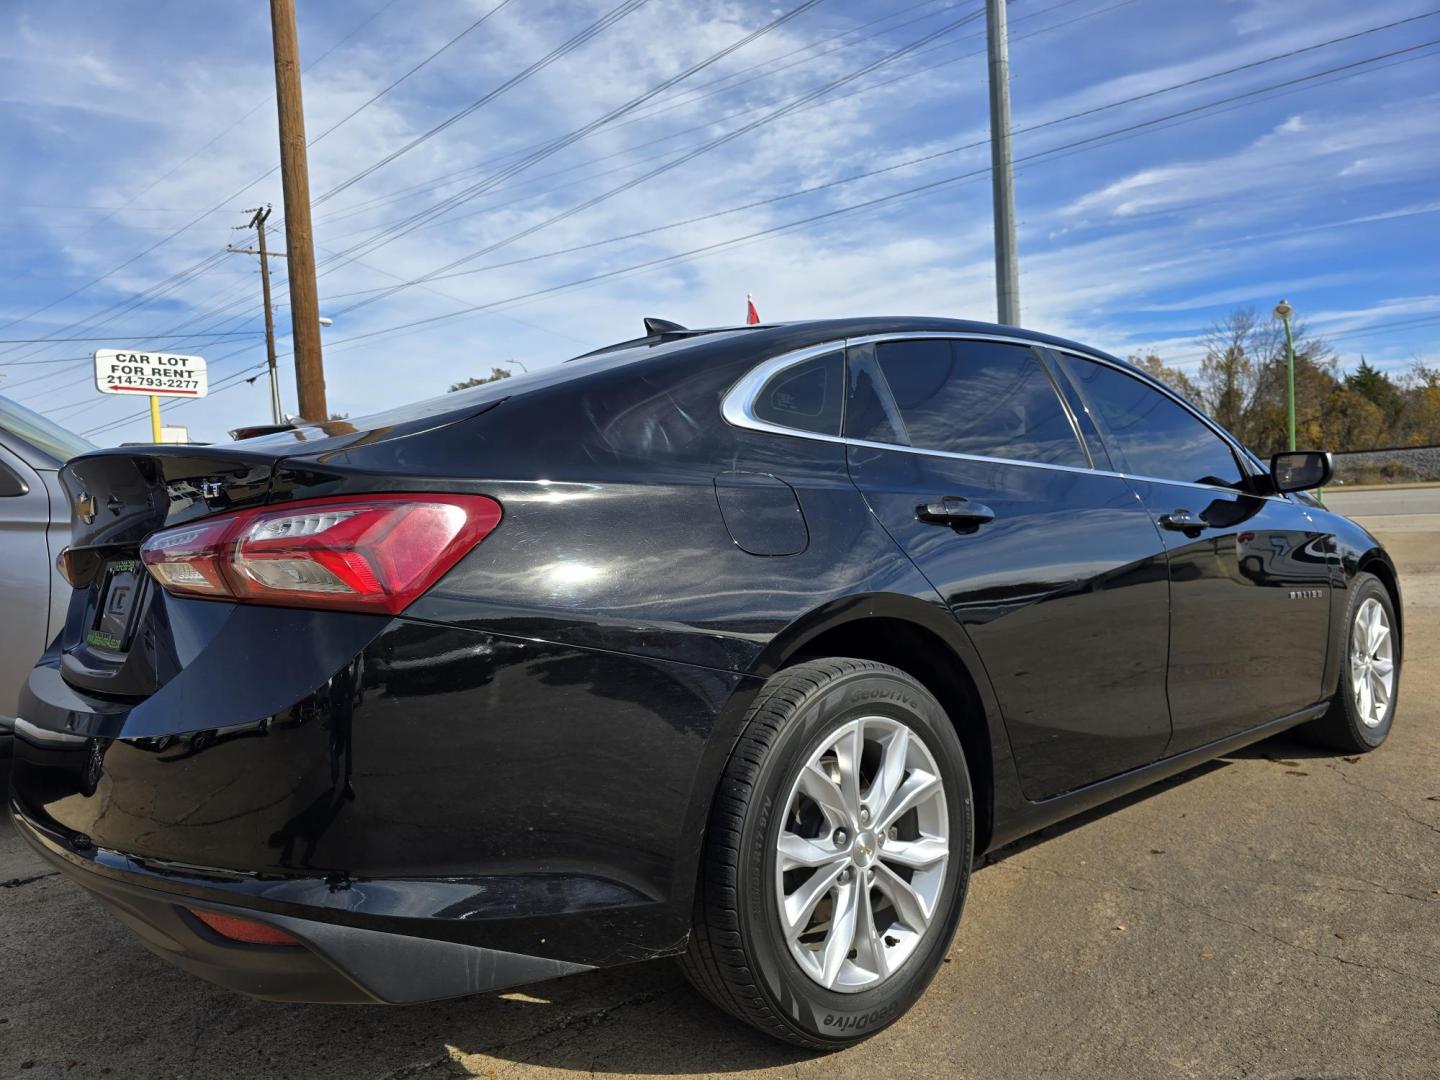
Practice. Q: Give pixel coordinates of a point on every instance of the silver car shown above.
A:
(34, 529)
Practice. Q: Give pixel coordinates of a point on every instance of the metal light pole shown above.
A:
(1002, 178)
(1283, 311)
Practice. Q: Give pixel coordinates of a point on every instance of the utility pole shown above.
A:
(261, 215)
(1002, 179)
(299, 242)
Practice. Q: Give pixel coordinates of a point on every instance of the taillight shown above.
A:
(354, 552)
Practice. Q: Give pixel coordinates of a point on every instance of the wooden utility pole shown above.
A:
(299, 242)
(261, 215)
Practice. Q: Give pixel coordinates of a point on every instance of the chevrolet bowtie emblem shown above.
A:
(85, 507)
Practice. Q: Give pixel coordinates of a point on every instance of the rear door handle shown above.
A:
(955, 511)
(1182, 521)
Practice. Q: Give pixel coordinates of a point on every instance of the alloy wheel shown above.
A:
(1372, 662)
(861, 856)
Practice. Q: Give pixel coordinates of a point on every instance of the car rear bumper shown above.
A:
(522, 807)
(335, 962)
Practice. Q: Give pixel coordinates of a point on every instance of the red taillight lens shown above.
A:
(247, 930)
(357, 552)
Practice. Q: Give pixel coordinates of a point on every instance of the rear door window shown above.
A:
(985, 398)
(1155, 435)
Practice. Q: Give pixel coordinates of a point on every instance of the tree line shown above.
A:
(1241, 383)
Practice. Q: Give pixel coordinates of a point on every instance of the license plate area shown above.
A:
(112, 619)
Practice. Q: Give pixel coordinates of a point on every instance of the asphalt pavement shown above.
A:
(1275, 914)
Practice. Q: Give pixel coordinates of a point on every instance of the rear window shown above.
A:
(806, 396)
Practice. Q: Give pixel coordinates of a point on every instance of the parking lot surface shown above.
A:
(1274, 914)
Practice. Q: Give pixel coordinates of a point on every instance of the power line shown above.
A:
(596, 28)
(222, 205)
(1050, 153)
(447, 272)
(443, 48)
(438, 181)
(218, 208)
(654, 91)
(556, 145)
(1211, 105)
(129, 337)
(691, 155)
(890, 198)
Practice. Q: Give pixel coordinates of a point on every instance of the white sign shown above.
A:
(128, 371)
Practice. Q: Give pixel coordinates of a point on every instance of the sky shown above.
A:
(488, 192)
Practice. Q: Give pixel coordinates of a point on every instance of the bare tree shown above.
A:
(1236, 350)
(1174, 378)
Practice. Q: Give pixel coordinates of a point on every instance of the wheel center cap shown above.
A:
(866, 848)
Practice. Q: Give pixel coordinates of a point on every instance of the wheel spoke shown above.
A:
(841, 938)
(908, 905)
(1379, 693)
(849, 752)
(825, 793)
(1382, 666)
(1380, 639)
(916, 854)
(1362, 697)
(869, 946)
(918, 787)
(802, 851)
(1375, 630)
(894, 754)
(800, 904)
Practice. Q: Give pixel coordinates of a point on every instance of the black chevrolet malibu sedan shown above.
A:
(742, 645)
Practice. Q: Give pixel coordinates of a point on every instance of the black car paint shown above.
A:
(523, 761)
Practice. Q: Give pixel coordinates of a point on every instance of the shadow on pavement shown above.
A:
(1050, 832)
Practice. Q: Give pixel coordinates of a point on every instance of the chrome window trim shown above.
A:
(736, 406)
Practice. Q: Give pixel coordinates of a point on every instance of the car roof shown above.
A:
(775, 337)
(682, 345)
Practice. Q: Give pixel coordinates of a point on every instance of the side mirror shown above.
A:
(1301, 470)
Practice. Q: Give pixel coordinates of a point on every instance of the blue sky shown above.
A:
(124, 126)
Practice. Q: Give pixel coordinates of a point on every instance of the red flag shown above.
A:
(752, 317)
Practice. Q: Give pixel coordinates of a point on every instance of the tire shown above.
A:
(1346, 727)
(740, 956)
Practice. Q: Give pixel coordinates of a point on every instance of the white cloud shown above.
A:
(1115, 244)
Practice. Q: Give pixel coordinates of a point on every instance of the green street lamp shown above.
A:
(1283, 311)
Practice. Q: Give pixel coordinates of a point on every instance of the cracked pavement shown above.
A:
(1275, 914)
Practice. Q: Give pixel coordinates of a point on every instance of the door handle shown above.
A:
(1182, 521)
(955, 511)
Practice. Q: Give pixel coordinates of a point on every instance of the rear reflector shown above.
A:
(66, 567)
(355, 552)
(246, 930)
